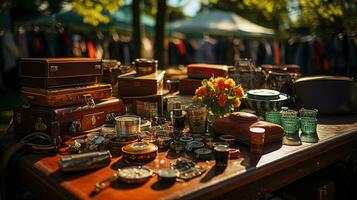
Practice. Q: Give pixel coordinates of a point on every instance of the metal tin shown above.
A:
(145, 66)
(234, 153)
(223, 144)
(127, 124)
(84, 161)
(116, 143)
(203, 154)
(221, 155)
(230, 139)
(193, 145)
(139, 151)
(134, 174)
(168, 174)
(186, 139)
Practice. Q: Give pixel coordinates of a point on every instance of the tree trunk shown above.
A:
(136, 32)
(159, 46)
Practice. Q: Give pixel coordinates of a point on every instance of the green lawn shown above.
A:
(8, 100)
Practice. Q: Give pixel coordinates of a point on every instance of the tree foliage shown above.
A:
(332, 16)
(92, 10)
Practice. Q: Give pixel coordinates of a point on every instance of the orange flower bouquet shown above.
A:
(221, 95)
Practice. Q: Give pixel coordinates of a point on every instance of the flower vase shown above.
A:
(213, 116)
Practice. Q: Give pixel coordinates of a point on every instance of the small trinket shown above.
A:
(145, 125)
(234, 153)
(203, 154)
(139, 151)
(134, 174)
(177, 147)
(168, 174)
(193, 145)
(186, 139)
(84, 161)
(187, 169)
(130, 175)
(108, 130)
(221, 154)
(163, 142)
(230, 139)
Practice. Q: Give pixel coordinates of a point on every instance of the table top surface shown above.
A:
(332, 131)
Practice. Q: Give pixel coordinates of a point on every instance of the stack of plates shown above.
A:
(263, 100)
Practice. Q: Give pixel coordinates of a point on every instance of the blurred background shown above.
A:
(317, 35)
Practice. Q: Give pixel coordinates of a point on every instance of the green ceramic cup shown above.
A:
(291, 127)
(308, 129)
(273, 117)
(308, 112)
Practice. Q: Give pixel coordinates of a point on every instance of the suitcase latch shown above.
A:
(75, 127)
(110, 118)
(97, 66)
(39, 125)
(89, 100)
(53, 68)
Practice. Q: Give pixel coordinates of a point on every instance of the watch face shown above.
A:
(135, 172)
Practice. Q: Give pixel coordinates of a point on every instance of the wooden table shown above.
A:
(247, 177)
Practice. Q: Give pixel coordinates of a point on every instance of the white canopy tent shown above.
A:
(220, 23)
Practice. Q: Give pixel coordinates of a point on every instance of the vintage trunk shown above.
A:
(59, 72)
(65, 96)
(132, 85)
(72, 119)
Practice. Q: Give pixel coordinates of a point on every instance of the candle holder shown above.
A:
(291, 127)
(197, 117)
(273, 117)
(308, 129)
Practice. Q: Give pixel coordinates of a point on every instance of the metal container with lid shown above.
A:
(145, 66)
(139, 151)
(197, 117)
(127, 124)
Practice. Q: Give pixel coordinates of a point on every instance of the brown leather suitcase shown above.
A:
(59, 72)
(132, 85)
(188, 86)
(65, 96)
(69, 121)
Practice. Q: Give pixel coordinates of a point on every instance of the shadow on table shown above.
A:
(161, 185)
(250, 160)
(214, 171)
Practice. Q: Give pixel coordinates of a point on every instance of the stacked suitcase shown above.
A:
(142, 89)
(196, 73)
(64, 97)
